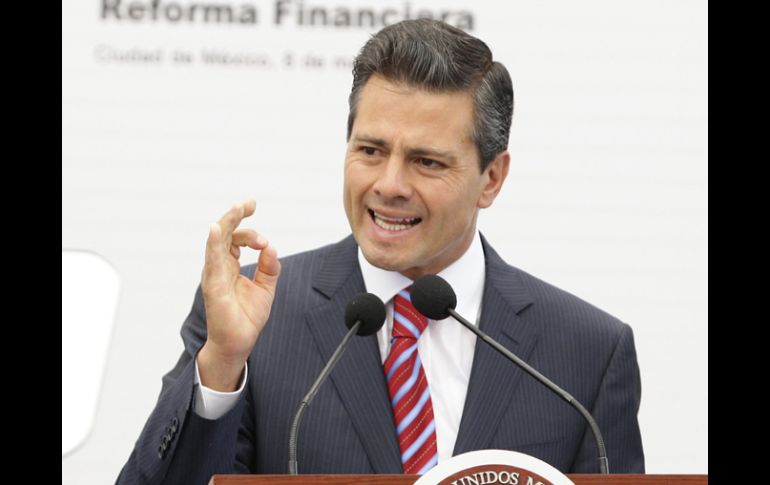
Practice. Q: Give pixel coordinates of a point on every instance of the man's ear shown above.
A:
(494, 176)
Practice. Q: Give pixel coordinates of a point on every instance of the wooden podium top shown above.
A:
(410, 479)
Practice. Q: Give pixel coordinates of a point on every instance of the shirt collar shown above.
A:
(464, 275)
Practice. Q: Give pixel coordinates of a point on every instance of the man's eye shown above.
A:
(427, 162)
(369, 150)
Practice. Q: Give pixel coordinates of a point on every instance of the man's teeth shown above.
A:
(394, 224)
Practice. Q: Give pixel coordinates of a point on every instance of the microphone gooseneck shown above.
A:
(364, 316)
(434, 297)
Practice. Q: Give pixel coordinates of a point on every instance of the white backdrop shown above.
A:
(166, 123)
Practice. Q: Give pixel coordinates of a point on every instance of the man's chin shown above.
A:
(383, 261)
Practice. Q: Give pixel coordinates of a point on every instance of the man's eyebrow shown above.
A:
(417, 151)
(432, 153)
(372, 140)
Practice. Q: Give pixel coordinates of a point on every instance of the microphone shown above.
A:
(364, 316)
(433, 297)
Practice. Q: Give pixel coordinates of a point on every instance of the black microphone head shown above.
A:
(433, 297)
(369, 309)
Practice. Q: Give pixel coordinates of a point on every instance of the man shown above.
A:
(430, 114)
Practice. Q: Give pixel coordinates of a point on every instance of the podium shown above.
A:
(579, 479)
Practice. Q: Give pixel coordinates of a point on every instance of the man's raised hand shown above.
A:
(236, 307)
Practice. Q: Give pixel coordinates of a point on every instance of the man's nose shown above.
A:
(393, 181)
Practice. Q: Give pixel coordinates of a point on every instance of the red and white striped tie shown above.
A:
(409, 393)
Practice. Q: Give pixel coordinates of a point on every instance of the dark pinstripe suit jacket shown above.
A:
(349, 426)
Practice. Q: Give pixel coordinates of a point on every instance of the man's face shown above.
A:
(412, 181)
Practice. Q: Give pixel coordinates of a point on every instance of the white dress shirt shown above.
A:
(446, 348)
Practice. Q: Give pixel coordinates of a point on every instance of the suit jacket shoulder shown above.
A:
(583, 349)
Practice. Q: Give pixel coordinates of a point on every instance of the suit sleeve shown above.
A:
(615, 411)
(178, 446)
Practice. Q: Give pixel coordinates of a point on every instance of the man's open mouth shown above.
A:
(393, 223)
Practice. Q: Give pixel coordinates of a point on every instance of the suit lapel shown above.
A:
(358, 377)
(493, 378)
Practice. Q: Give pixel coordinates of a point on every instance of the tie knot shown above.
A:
(407, 321)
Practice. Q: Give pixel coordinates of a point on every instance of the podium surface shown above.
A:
(579, 479)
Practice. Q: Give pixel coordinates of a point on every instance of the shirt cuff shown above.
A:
(211, 404)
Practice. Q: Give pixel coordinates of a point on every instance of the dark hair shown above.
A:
(432, 55)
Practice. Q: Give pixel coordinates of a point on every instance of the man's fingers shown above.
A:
(246, 237)
(249, 206)
(225, 240)
(214, 245)
(250, 238)
(215, 257)
(232, 218)
(268, 268)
